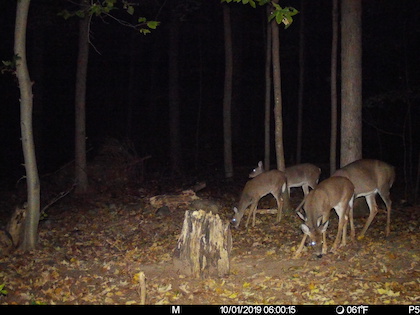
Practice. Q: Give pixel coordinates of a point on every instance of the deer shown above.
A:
(333, 193)
(301, 175)
(270, 182)
(371, 177)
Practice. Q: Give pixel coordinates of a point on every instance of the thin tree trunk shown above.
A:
(26, 103)
(334, 46)
(80, 106)
(301, 83)
(227, 98)
(267, 96)
(277, 96)
(132, 94)
(174, 114)
(351, 81)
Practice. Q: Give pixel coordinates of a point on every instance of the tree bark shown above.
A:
(81, 177)
(204, 245)
(227, 95)
(334, 46)
(351, 81)
(26, 104)
(277, 96)
(267, 105)
(278, 104)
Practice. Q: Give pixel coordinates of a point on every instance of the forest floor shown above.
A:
(92, 250)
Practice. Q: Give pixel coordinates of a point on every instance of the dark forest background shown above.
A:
(127, 89)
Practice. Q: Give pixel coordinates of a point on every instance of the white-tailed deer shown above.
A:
(270, 182)
(301, 175)
(371, 177)
(334, 192)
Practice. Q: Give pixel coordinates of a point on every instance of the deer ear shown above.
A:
(305, 229)
(235, 209)
(260, 164)
(301, 216)
(324, 226)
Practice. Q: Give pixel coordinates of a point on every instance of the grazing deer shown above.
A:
(371, 177)
(270, 182)
(301, 175)
(334, 192)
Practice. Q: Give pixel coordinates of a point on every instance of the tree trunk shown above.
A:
(351, 81)
(277, 96)
(174, 115)
(334, 43)
(26, 103)
(301, 84)
(278, 115)
(227, 97)
(267, 105)
(80, 106)
(204, 246)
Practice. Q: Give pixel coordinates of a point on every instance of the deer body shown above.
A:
(270, 182)
(301, 175)
(371, 177)
(334, 192)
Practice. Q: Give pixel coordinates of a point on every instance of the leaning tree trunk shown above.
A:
(26, 103)
(204, 246)
(351, 81)
(227, 95)
(80, 107)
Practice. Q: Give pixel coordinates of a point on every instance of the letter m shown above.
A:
(176, 309)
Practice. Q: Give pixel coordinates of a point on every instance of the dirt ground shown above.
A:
(92, 250)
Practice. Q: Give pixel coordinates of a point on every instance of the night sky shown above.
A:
(128, 73)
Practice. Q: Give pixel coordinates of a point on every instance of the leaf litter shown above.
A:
(94, 255)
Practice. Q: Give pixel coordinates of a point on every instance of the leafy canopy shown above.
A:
(281, 15)
(104, 8)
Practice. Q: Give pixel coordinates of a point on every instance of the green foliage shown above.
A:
(105, 7)
(252, 3)
(281, 15)
(9, 66)
(3, 291)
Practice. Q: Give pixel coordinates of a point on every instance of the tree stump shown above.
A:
(204, 245)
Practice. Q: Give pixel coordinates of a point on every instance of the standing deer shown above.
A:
(301, 175)
(334, 192)
(371, 177)
(271, 182)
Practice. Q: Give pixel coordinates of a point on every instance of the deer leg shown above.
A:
(352, 231)
(302, 243)
(305, 188)
(342, 212)
(349, 213)
(279, 201)
(252, 210)
(373, 208)
(344, 236)
(385, 197)
(324, 243)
